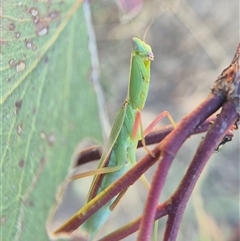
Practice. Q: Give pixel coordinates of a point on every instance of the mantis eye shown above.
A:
(150, 56)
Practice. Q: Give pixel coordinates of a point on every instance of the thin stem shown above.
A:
(168, 149)
(180, 198)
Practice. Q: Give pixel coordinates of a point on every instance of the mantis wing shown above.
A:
(117, 126)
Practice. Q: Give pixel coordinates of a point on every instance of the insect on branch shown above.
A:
(225, 94)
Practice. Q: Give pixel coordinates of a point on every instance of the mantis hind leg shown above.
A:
(102, 170)
(118, 198)
(157, 120)
(138, 126)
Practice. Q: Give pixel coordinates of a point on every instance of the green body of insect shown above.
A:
(120, 152)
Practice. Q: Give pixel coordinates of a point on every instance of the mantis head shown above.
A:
(142, 49)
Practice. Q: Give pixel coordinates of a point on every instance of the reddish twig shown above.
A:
(207, 147)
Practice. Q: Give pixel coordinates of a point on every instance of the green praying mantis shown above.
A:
(120, 152)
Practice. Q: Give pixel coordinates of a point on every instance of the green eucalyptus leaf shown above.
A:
(47, 104)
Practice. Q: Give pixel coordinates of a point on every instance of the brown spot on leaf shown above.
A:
(34, 12)
(19, 129)
(54, 14)
(42, 31)
(17, 35)
(2, 42)
(42, 161)
(34, 110)
(51, 139)
(46, 60)
(36, 19)
(18, 105)
(41, 21)
(11, 26)
(20, 66)
(43, 135)
(28, 43)
(3, 220)
(31, 203)
(11, 62)
(21, 163)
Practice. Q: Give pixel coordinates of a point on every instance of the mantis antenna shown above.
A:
(144, 36)
(134, 26)
(145, 33)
